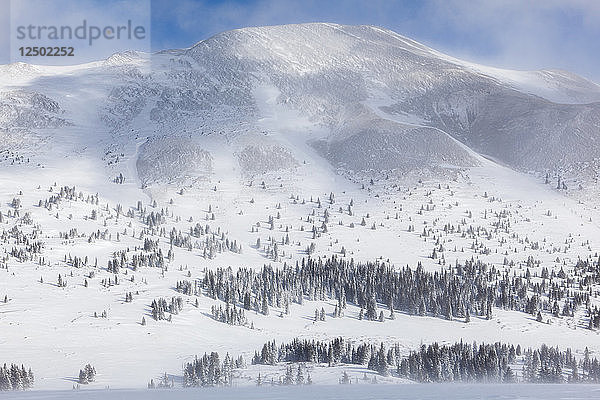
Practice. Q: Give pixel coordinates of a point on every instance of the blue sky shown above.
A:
(519, 34)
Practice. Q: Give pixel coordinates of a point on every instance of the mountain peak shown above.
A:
(352, 95)
(319, 35)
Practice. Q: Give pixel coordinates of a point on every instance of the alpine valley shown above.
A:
(297, 204)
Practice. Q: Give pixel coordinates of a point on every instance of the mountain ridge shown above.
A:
(342, 81)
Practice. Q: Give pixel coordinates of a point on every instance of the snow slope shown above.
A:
(326, 75)
(268, 122)
(384, 392)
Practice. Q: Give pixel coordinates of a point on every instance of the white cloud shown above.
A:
(4, 31)
(527, 34)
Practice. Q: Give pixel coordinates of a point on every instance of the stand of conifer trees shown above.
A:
(15, 377)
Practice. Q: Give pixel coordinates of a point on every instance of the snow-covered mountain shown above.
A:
(365, 98)
(140, 195)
